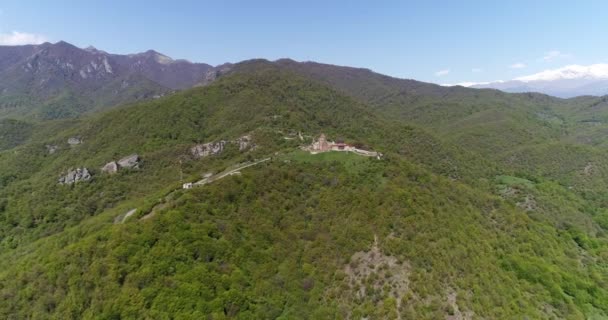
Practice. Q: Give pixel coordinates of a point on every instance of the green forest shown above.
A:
(484, 205)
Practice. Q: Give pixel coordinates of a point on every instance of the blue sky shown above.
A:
(435, 41)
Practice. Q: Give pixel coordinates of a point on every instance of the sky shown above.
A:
(433, 41)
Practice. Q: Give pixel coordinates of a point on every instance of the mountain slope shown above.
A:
(163, 130)
(432, 230)
(501, 127)
(279, 242)
(36, 80)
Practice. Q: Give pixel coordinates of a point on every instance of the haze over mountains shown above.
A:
(567, 82)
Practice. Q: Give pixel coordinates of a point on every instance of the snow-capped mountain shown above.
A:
(565, 82)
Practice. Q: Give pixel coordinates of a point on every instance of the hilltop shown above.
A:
(484, 204)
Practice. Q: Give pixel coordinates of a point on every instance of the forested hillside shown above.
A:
(60, 80)
(484, 205)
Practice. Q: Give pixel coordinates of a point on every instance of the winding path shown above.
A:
(228, 173)
(202, 182)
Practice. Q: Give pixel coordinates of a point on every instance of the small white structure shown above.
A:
(187, 185)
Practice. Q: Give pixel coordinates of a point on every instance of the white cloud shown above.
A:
(469, 84)
(554, 55)
(518, 65)
(476, 70)
(442, 73)
(594, 71)
(597, 71)
(17, 38)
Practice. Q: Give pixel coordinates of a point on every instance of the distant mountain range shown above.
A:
(566, 82)
(61, 80)
(485, 205)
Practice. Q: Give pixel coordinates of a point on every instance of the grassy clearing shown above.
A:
(352, 162)
(345, 157)
(511, 181)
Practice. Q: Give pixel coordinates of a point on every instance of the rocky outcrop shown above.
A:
(589, 169)
(110, 167)
(212, 148)
(208, 149)
(129, 162)
(245, 142)
(51, 149)
(76, 175)
(74, 141)
(215, 73)
(528, 203)
(373, 274)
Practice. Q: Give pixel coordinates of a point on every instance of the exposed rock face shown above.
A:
(51, 148)
(528, 203)
(129, 162)
(76, 175)
(207, 149)
(110, 167)
(457, 313)
(372, 274)
(589, 169)
(245, 142)
(212, 148)
(73, 141)
(51, 69)
(212, 74)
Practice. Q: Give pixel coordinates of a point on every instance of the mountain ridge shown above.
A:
(481, 198)
(449, 228)
(60, 80)
(33, 75)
